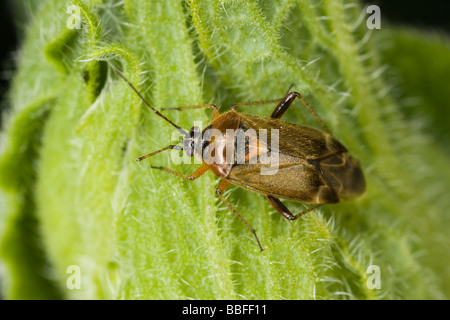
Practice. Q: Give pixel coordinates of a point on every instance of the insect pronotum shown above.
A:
(312, 166)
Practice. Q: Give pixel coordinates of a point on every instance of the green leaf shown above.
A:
(420, 89)
(69, 173)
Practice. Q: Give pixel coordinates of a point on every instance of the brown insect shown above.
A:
(312, 167)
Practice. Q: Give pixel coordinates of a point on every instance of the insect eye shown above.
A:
(194, 130)
(189, 147)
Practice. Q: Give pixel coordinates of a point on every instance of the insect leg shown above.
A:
(281, 208)
(196, 174)
(219, 190)
(286, 102)
(214, 108)
(253, 103)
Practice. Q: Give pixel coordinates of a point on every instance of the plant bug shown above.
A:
(313, 167)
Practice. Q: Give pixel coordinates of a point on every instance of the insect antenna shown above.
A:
(171, 147)
(148, 104)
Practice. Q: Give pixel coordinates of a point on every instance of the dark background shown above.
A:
(9, 43)
(433, 14)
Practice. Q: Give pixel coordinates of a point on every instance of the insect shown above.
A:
(312, 167)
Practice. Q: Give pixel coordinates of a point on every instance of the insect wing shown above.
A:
(294, 179)
(294, 139)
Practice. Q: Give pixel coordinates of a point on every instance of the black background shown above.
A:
(9, 43)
